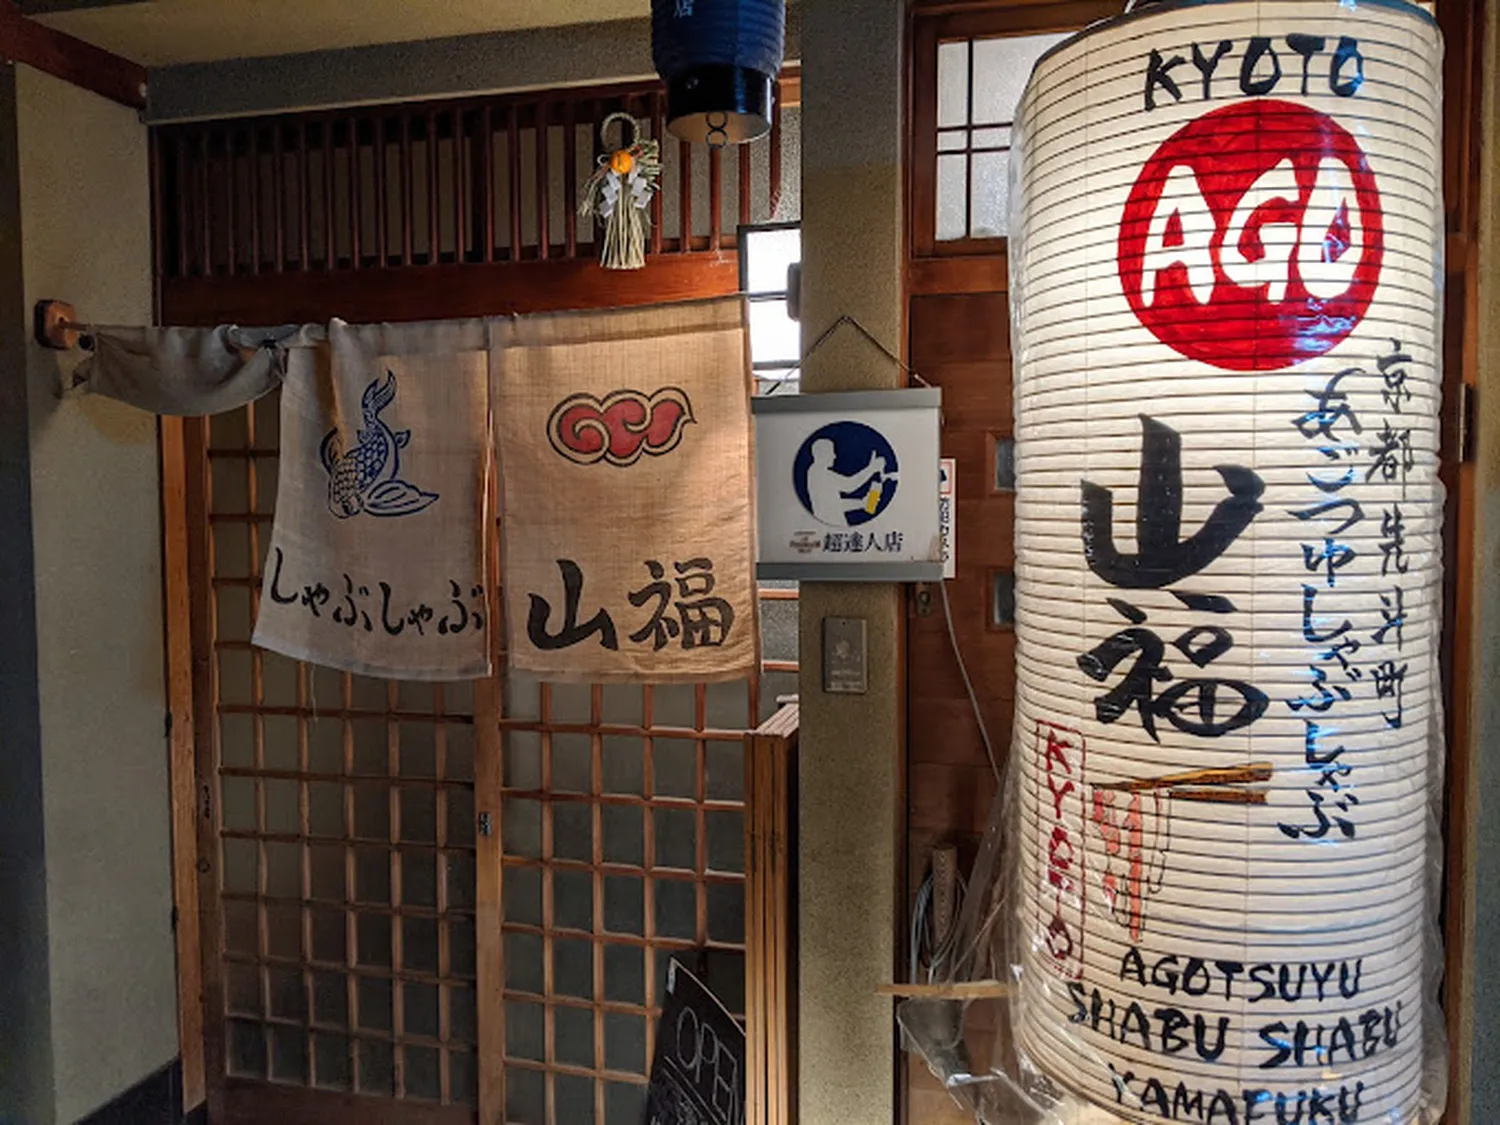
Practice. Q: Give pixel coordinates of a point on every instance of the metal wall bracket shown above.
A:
(55, 325)
(1465, 448)
(921, 599)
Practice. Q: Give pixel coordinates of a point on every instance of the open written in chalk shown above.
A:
(698, 1075)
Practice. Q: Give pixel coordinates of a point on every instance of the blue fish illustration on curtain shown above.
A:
(366, 478)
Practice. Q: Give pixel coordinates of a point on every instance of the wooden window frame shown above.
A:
(932, 25)
(784, 294)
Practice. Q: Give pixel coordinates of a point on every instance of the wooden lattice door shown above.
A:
(336, 836)
(431, 903)
(623, 832)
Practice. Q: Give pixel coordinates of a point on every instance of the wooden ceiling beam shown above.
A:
(23, 40)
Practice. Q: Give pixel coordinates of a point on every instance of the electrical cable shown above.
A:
(921, 945)
(917, 937)
(963, 670)
(928, 958)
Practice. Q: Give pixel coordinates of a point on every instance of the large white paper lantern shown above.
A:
(1226, 265)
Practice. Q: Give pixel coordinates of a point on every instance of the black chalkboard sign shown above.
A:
(698, 1075)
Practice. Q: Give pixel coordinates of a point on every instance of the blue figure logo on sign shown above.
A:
(845, 474)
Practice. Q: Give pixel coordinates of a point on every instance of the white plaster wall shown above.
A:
(86, 231)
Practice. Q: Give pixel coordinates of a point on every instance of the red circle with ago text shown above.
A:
(1253, 237)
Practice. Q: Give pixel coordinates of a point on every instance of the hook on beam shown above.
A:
(55, 325)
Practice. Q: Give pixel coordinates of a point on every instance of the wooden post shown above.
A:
(489, 871)
(181, 764)
(769, 754)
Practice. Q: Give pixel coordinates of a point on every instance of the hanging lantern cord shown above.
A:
(718, 129)
(629, 130)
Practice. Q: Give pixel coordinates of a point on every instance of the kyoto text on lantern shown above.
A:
(1253, 238)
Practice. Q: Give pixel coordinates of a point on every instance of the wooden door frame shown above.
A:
(182, 765)
(1463, 26)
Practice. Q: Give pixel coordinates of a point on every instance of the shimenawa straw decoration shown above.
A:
(619, 194)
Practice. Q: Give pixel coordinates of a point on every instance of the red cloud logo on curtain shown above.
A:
(620, 427)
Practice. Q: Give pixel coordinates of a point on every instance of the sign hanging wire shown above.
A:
(963, 668)
(828, 334)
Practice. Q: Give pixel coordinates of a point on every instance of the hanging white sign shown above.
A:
(848, 486)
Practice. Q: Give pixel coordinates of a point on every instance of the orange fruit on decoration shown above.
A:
(622, 162)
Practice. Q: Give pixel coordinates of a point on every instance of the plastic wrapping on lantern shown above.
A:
(969, 1044)
(1211, 883)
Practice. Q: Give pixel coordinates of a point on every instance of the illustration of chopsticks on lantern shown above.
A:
(1222, 786)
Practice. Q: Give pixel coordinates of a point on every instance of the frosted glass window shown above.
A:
(1001, 68)
(990, 193)
(573, 1099)
(767, 254)
(979, 83)
(953, 84)
(573, 900)
(625, 1042)
(952, 179)
(573, 1034)
(774, 336)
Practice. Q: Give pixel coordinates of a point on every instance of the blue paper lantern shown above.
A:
(719, 59)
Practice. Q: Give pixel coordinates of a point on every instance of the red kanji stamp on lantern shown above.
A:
(1253, 237)
(1061, 815)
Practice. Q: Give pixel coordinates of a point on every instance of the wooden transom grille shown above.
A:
(343, 812)
(471, 181)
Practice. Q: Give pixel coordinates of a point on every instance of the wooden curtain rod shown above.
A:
(55, 324)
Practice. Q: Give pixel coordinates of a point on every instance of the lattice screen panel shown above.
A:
(346, 812)
(471, 181)
(623, 831)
